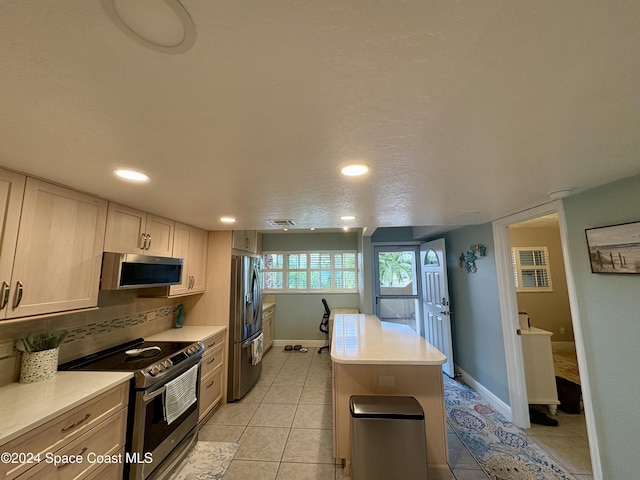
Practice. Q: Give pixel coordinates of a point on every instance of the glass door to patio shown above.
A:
(396, 285)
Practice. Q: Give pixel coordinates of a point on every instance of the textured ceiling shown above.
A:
(466, 111)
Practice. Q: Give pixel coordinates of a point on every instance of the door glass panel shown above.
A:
(400, 310)
(397, 273)
(397, 289)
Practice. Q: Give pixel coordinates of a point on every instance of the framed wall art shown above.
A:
(615, 249)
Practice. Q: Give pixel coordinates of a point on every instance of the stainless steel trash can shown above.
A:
(387, 438)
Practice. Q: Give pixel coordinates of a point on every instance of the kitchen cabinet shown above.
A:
(97, 426)
(212, 374)
(245, 240)
(11, 193)
(190, 244)
(268, 326)
(538, 368)
(57, 252)
(133, 231)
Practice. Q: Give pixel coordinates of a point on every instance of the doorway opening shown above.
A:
(523, 269)
(397, 285)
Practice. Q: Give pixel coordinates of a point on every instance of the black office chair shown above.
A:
(324, 324)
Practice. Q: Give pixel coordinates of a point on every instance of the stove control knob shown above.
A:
(154, 370)
(161, 367)
(167, 364)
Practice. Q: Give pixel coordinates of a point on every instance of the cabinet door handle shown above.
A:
(4, 297)
(143, 241)
(211, 361)
(82, 452)
(211, 384)
(18, 299)
(148, 242)
(75, 424)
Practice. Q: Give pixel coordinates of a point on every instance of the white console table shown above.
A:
(538, 368)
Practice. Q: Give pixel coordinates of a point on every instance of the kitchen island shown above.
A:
(371, 357)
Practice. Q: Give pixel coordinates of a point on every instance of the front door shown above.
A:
(435, 300)
(397, 287)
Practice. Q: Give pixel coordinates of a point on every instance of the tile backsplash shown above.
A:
(120, 316)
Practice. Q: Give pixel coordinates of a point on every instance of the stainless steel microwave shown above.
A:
(122, 271)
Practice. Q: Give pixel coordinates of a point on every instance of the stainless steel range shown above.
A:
(156, 439)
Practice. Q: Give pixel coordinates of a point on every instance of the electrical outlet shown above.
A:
(563, 330)
(386, 381)
(151, 315)
(6, 349)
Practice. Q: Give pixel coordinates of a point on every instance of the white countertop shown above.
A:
(25, 406)
(364, 339)
(186, 334)
(535, 331)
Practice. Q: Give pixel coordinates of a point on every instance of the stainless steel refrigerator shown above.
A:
(245, 324)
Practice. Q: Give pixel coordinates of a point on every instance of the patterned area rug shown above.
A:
(503, 450)
(207, 461)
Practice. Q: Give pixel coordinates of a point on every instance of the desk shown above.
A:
(370, 357)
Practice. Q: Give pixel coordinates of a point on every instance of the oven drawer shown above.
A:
(213, 341)
(55, 434)
(91, 451)
(211, 360)
(210, 391)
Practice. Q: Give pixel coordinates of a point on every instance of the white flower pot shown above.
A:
(38, 366)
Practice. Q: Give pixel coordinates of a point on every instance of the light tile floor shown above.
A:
(284, 427)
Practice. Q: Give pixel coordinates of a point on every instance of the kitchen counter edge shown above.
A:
(360, 339)
(187, 333)
(25, 406)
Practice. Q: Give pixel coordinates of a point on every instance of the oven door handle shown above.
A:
(146, 398)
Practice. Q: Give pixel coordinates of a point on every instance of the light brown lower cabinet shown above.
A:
(91, 430)
(212, 374)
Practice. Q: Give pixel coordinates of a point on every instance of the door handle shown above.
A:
(4, 297)
(445, 312)
(18, 299)
(147, 242)
(143, 241)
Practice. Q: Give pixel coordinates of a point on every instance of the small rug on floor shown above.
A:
(503, 450)
(207, 461)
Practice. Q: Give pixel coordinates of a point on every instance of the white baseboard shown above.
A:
(563, 346)
(304, 343)
(494, 401)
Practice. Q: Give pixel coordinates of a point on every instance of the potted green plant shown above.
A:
(39, 356)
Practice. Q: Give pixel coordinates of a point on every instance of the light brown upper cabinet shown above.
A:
(245, 240)
(56, 252)
(190, 244)
(133, 231)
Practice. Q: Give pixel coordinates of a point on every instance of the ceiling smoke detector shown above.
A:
(281, 223)
(161, 25)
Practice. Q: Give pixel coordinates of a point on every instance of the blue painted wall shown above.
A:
(478, 344)
(609, 308)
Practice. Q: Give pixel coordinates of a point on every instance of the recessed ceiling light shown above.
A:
(347, 217)
(227, 219)
(132, 175)
(346, 229)
(355, 169)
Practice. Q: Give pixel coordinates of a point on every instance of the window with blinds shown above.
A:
(316, 271)
(531, 271)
